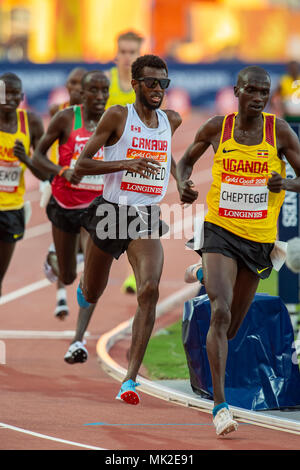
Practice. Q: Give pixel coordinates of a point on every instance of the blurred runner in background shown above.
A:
(73, 86)
(73, 127)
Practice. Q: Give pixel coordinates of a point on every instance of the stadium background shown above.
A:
(205, 43)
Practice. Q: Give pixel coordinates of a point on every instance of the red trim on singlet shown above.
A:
(270, 130)
(22, 121)
(228, 127)
(68, 196)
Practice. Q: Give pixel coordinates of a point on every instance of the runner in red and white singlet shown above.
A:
(72, 194)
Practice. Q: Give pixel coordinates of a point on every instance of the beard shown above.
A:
(145, 103)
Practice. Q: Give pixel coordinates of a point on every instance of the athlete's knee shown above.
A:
(92, 294)
(221, 315)
(90, 297)
(67, 277)
(148, 292)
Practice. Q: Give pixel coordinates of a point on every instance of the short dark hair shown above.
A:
(251, 69)
(147, 60)
(92, 72)
(11, 77)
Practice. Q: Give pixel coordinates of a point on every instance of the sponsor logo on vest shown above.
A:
(231, 150)
(235, 214)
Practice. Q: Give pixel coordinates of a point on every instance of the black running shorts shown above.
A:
(67, 220)
(112, 226)
(255, 256)
(12, 225)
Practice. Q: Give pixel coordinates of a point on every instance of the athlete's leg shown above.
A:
(66, 247)
(244, 292)
(146, 258)
(220, 274)
(230, 302)
(97, 265)
(6, 252)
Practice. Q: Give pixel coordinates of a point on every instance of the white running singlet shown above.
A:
(139, 141)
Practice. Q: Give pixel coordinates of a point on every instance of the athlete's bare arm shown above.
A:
(36, 130)
(54, 108)
(175, 121)
(59, 129)
(208, 134)
(109, 130)
(289, 146)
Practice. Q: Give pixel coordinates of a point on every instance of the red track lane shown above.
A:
(42, 394)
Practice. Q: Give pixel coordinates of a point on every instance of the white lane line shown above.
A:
(24, 291)
(38, 334)
(29, 289)
(49, 438)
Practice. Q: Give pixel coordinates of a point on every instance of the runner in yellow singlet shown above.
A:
(128, 50)
(20, 131)
(240, 227)
(121, 92)
(74, 87)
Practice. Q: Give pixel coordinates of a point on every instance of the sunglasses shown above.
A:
(152, 82)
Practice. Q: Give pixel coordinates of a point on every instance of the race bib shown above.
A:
(88, 182)
(10, 175)
(243, 197)
(139, 183)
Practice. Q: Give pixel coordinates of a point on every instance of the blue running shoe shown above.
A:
(128, 394)
(80, 298)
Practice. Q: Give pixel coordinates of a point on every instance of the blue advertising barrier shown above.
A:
(201, 81)
(262, 370)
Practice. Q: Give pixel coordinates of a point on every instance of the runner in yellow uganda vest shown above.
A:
(12, 185)
(239, 200)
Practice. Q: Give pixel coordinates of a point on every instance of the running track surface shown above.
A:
(48, 404)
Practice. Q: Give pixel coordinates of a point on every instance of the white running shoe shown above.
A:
(48, 271)
(76, 353)
(224, 422)
(191, 273)
(62, 310)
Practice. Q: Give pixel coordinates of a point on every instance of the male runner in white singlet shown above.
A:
(137, 164)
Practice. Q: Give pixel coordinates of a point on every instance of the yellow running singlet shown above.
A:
(116, 95)
(239, 200)
(12, 185)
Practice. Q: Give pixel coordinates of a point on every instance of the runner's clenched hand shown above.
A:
(143, 166)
